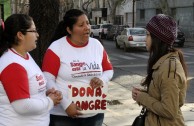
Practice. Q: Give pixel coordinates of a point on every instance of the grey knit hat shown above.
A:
(163, 27)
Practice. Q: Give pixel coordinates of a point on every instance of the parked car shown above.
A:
(92, 32)
(180, 40)
(111, 32)
(101, 30)
(131, 37)
(93, 29)
(114, 31)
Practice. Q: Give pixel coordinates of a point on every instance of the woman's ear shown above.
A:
(68, 30)
(20, 35)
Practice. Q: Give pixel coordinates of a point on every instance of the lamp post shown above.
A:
(133, 12)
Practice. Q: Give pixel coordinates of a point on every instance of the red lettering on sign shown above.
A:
(98, 92)
(92, 105)
(74, 92)
(82, 92)
(89, 92)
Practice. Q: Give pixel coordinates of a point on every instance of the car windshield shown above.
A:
(98, 26)
(106, 26)
(93, 26)
(137, 32)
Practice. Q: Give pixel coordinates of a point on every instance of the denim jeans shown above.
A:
(96, 120)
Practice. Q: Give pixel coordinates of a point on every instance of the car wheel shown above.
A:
(106, 37)
(125, 47)
(181, 45)
(92, 35)
(114, 38)
(117, 45)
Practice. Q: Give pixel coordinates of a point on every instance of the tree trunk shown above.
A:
(45, 14)
(113, 4)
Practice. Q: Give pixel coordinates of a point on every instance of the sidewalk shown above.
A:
(122, 109)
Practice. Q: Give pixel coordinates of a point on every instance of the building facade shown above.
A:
(181, 10)
(100, 12)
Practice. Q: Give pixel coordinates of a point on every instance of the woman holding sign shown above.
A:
(78, 64)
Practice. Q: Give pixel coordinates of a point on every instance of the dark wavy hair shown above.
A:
(157, 50)
(12, 25)
(69, 20)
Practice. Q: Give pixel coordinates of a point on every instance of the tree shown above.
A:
(163, 5)
(19, 6)
(64, 6)
(113, 4)
(46, 17)
(85, 6)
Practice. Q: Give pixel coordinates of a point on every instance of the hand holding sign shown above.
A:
(89, 99)
(96, 82)
(73, 111)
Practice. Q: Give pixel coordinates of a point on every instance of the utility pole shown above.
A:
(133, 11)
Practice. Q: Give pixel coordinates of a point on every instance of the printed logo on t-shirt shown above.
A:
(84, 69)
(41, 81)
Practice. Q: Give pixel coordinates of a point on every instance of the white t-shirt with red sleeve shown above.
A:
(66, 64)
(23, 101)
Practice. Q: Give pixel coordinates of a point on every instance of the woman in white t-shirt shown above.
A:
(75, 59)
(23, 97)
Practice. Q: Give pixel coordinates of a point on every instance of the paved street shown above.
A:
(130, 68)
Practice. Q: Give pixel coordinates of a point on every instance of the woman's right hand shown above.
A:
(73, 111)
(56, 96)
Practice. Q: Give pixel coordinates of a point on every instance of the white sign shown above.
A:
(88, 99)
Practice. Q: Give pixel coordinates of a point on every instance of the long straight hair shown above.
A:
(157, 50)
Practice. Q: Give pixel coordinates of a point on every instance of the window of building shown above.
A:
(159, 11)
(142, 14)
(119, 20)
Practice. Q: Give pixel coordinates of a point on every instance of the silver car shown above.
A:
(131, 37)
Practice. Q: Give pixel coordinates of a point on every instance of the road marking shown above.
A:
(141, 65)
(133, 65)
(191, 51)
(139, 55)
(189, 54)
(112, 58)
(188, 63)
(124, 57)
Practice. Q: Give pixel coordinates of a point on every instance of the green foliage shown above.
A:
(7, 7)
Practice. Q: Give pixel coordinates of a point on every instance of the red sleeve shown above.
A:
(51, 63)
(106, 65)
(15, 82)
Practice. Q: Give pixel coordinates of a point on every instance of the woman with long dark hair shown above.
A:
(166, 79)
(23, 100)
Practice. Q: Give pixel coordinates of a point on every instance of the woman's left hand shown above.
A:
(96, 82)
(135, 93)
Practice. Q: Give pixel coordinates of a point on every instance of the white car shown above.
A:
(131, 37)
(99, 30)
(93, 30)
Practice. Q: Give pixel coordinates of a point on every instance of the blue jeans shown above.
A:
(96, 120)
